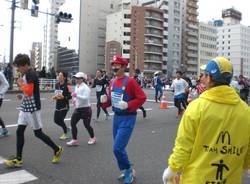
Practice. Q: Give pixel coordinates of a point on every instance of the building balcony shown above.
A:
(165, 16)
(193, 12)
(165, 58)
(192, 33)
(153, 35)
(164, 67)
(192, 19)
(192, 40)
(192, 48)
(191, 62)
(165, 50)
(154, 26)
(193, 5)
(192, 55)
(150, 17)
(193, 26)
(165, 24)
(165, 41)
(153, 43)
(164, 7)
(152, 61)
(152, 52)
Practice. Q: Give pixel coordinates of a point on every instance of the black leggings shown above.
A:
(178, 102)
(1, 121)
(59, 116)
(84, 113)
(38, 133)
(98, 105)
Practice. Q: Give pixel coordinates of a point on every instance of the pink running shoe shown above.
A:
(92, 141)
(73, 142)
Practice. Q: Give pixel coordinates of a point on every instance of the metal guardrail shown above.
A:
(44, 84)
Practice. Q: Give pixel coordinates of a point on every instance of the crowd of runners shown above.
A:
(197, 102)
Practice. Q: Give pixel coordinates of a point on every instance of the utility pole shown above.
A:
(12, 27)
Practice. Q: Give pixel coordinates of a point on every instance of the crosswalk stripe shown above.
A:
(17, 177)
(6, 100)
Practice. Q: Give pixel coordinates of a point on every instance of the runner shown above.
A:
(30, 112)
(81, 100)
(138, 79)
(126, 96)
(62, 96)
(158, 86)
(213, 140)
(100, 83)
(179, 86)
(4, 86)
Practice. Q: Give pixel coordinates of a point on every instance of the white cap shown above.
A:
(80, 75)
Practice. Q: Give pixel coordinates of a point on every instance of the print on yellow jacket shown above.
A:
(213, 140)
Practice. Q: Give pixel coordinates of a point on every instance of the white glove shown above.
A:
(122, 105)
(247, 173)
(168, 176)
(104, 98)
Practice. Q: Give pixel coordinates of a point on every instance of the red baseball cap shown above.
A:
(119, 60)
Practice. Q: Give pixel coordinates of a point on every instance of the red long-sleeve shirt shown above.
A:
(133, 90)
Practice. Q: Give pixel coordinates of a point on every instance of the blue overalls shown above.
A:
(123, 124)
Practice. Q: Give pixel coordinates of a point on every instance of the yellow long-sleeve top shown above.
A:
(213, 139)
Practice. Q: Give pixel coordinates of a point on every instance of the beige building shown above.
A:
(207, 43)
(190, 38)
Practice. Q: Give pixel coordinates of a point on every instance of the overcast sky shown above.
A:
(30, 29)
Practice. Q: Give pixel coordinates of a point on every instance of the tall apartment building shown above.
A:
(234, 42)
(67, 60)
(53, 42)
(207, 43)
(36, 55)
(146, 51)
(190, 38)
(118, 32)
(172, 40)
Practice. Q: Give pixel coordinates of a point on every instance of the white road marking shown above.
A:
(6, 100)
(1, 160)
(111, 113)
(17, 177)
(9, 126)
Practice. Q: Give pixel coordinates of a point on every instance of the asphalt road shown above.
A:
(149, 147)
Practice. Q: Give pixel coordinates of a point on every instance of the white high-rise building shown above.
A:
(53, 42)
(234, 42)
(119, 28)
(93, 32)
(207, 43)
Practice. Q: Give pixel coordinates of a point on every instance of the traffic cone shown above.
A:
(163, 104)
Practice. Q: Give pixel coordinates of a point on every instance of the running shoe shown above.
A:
(121, 177)
(64, 136)
(128, 176)
(13, 162)
(73, 142)
(92, 141)
(57, 156)
(4, 132)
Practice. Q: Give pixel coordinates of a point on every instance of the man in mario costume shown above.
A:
(125, 96)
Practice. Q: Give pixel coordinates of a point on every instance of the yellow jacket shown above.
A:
(213, 139)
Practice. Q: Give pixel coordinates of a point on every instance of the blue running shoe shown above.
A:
(128, 176)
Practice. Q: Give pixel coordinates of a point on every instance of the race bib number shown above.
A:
(116, 98)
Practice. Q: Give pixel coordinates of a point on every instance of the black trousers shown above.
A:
(1, 121)
(59, 117)
(84, 113)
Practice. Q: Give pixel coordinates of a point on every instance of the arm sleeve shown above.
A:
(4, 84)
(27, 89)
(138, 94)
(84, 94)
(184, 141)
